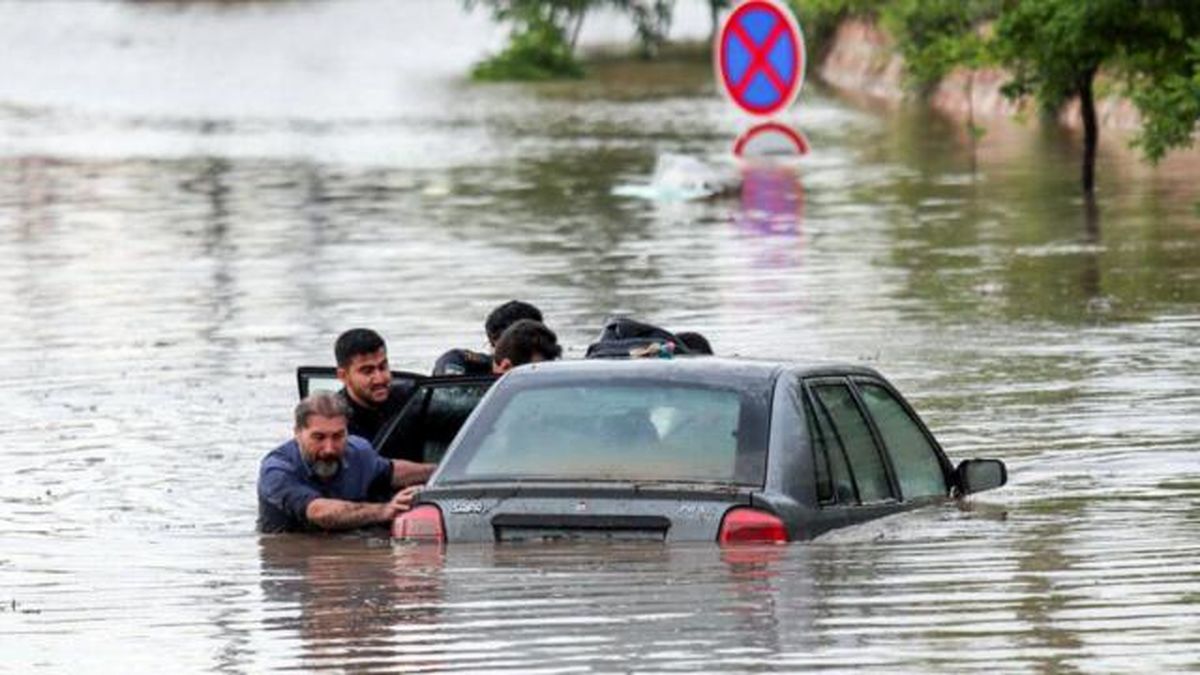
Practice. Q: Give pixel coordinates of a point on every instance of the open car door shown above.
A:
(437, 409)
(324, 378)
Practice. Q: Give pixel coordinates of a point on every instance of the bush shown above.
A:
(537, 51)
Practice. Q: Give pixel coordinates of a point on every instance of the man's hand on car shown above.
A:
(401, 502)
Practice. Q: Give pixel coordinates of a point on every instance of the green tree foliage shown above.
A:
(939, 35)
(541, 44)
(1166, 89)
(820, 18)
(545, 32)
(1054, 49)
(535, 51)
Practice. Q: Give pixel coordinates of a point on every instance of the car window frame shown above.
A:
(943, 460)
(896, 497)
(423, 395)
(306, 373)
(810, 403)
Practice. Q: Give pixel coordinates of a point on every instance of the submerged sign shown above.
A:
(760, 57)
(771, 139)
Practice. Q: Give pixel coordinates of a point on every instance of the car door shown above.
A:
(922, 470)
(431, 418)
(324, 378)
(853, 475)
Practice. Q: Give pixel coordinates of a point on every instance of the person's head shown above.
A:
(526, 341)
(362, 366)
(321, 432)
(506, 315)
(695, 342)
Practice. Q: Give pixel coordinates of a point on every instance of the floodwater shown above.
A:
(196, 198)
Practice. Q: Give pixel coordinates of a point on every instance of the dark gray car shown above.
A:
(688, 449)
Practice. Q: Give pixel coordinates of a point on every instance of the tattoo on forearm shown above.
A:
(341, 515)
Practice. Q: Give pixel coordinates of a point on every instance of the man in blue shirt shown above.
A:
(324, 479)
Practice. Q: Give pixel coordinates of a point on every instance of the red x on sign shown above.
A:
(760, 57)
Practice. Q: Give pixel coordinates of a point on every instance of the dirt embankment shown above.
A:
(862, 58)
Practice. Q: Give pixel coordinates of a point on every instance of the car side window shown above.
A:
(853, 432)
(918, 468)
(834, 484)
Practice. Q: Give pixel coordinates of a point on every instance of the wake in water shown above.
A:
(681, 178)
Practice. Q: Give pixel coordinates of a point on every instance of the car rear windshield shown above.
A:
(615, 432)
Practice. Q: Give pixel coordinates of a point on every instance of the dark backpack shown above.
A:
(622, 338)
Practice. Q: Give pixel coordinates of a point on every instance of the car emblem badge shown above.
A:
(466, 506)
(581, 507)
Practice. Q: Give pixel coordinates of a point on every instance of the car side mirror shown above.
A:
(977, 475)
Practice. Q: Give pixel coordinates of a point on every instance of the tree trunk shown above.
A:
(1091, 130)
(972, 133)
(576, 28)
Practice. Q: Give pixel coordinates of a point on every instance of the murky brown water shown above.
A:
(194, 199)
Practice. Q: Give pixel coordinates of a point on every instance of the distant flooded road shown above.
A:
(197, 198)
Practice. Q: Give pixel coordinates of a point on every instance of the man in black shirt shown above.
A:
(467, 362)
(362, 366)
(526, 341)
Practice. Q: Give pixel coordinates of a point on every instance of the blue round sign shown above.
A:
(760, 57)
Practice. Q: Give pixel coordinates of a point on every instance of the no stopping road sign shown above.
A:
(760, 57)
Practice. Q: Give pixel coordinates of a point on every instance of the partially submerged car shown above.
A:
(686, 449)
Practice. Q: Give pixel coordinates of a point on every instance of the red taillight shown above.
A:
(744, 525)
(423, 523)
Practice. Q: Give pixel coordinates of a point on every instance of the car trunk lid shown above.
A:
(561, 512)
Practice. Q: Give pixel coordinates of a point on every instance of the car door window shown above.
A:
(425, 426)
(834, 484)
(918, 468)
(852, 430)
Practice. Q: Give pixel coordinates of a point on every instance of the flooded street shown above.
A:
(197, 198)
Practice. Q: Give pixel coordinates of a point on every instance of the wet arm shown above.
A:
(405, 472)
(339, 514)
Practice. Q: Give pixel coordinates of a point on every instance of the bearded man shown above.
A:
(324, 479)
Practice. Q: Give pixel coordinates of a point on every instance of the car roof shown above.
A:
(694, 369)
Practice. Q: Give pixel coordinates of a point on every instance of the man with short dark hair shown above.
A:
(325, 479)
(526, 341)
(467, 362)
(695, 342)
(362, 367)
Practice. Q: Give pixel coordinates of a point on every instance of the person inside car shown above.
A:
(325, 479)
(526, 341)
(362, 367)
(467, 362)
